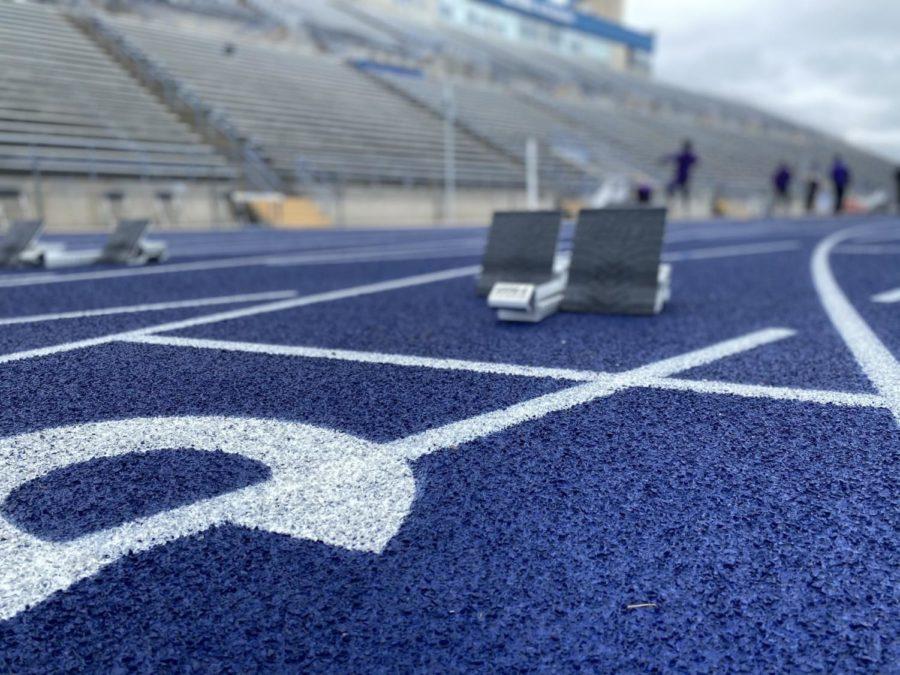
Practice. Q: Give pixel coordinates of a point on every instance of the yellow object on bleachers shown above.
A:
(289, 212)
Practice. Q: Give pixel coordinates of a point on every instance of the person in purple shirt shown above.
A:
(781, 183)
(840, 180)
(684, 161)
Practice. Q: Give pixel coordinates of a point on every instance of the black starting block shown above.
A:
(521, 248)
(20, 245)
(519, 274)
(615, 266)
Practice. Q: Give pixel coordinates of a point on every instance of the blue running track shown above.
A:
(319, 451)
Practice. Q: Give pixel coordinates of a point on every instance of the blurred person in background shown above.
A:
(643, 190)
(781, 186)
(897, 187)
(811, 191)
(840, 181)
(684, 162)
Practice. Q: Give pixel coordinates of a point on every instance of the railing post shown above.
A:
(449, 210)
(532, 176)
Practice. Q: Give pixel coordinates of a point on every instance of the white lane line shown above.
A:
(370, 357)
(887, 296)
(819, 396)
(293, 246)
(150, 307)
(867, 249)
(486, 367)
(758, 248)
(430, 252)
(310, 259)
(328, 296)
(457, 433)
(876, 360)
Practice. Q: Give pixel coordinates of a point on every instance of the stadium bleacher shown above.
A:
(67, 108)
(341, 94)
(316, 110)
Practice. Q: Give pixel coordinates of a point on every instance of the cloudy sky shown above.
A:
(834, 64)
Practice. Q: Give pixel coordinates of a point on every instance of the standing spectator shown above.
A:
(684, 161)
(812, 190)
(840, 180)
(643, 193)
(781, 184)
(897, 186)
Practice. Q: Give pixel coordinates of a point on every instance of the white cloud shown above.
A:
(832, 64)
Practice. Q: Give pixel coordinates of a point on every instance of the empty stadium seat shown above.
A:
(67, 107)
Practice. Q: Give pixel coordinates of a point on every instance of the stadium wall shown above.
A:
(73, 204)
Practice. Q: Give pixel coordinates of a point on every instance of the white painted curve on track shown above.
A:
(325, 486)
(875, 359)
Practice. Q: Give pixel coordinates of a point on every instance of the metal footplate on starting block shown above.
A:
(527, 302)
(615, 266)
(20, 245)
(521, 249)
(126, 246)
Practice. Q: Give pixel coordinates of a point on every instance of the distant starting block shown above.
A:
(125, 246)
(614, 267)
(19, 247)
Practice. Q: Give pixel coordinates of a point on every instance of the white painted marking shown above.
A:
(326, 486)
(732, 251)
(887, 296)
(818, 396)
(328, 296)
(370, 357)
(458, 433)
(867, 249)
(839, 398)
(150, 307)
(304, 260)
(431, 253)
(873, 357)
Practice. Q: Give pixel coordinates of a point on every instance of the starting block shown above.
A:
(615, 266)
(20, 245)
(126, 246)
(521, 248)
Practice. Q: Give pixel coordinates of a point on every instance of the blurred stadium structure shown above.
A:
(335, 112)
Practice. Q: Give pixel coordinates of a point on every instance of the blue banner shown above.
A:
(563, 14)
